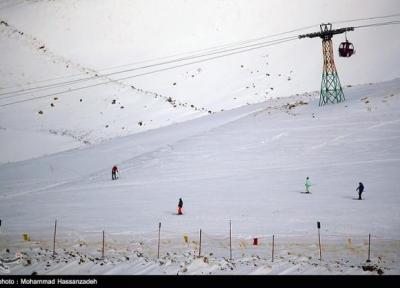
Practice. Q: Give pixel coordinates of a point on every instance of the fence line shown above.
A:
(272, 246)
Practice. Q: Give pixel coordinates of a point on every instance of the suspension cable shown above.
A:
(151, 72)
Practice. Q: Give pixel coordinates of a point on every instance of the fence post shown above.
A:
(102, 250)
(200, 245)
(369, 248)
(319, 240)
(54, 239)
(158, 250)
(230, 239)
(273, 247)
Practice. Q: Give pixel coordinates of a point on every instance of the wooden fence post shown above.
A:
(319, 241)
(54, 239)
(273, 247)
(158, 250)
(369, 248)
(230, 239)
(200, 245)
(102, 250)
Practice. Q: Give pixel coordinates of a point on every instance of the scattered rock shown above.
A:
(372, 268)
(113, 101)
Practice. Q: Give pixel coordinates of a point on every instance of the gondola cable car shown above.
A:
(346, 49)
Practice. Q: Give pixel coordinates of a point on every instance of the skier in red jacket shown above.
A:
(114, 172)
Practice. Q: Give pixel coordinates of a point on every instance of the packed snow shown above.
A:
(246, 165)
(223, 135)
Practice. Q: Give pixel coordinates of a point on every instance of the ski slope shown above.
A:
(223, 135)
(247, 165)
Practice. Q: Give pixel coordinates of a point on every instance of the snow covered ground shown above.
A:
(218, 134)
(247, 165)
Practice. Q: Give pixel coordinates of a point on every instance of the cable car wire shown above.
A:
(213, 51)
(151, 72)
(57, 85)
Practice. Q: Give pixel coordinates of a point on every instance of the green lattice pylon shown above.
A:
(331, 90)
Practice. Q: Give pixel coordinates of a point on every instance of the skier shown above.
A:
(360, 190)
(180, 205)
(308, 185)
(114, 172)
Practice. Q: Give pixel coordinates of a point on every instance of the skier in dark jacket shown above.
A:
(180, 205)
(114, 173)
(360, 190)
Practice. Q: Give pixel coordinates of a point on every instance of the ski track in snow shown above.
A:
(240, 165)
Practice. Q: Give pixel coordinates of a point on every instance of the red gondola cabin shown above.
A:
(346, 49)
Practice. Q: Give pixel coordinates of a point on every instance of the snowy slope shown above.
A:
(50, 42)
(81, 117)
(219, 134)
(247, 165)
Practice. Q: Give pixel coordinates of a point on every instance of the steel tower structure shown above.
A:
(331, 90)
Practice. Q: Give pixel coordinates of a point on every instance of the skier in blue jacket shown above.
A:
(360, 190)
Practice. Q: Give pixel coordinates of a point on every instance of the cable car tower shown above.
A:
(331, 90)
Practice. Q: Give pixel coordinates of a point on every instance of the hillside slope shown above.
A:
(247, 165)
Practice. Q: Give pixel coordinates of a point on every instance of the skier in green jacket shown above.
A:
(308, 185)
